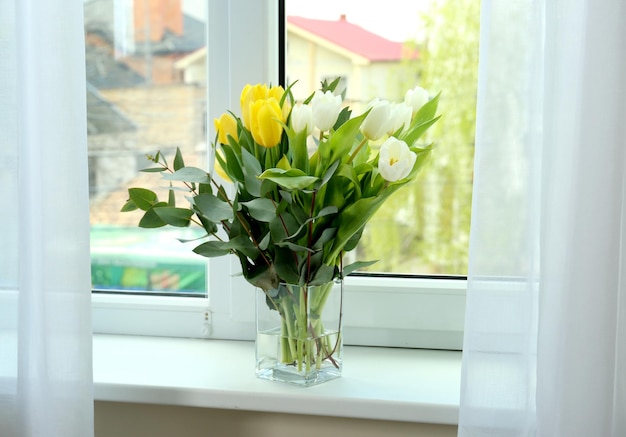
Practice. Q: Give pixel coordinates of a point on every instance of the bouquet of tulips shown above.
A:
(306, 176)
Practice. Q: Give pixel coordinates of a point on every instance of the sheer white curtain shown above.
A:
(45, 313)
(545, 339)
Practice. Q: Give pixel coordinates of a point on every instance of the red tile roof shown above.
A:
(351, 37)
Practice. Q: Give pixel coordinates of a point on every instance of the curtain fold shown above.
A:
(544, 340)
(45, 302)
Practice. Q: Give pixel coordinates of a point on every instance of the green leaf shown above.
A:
(342, 141)
(262, 276)
(204, 188)
(294, 247)
(212, 208)
(285, 265)
(189, 174)
(151, 219)
(282, 206)
(293, 179)
(350, 221)
(233, 166)
(261, 209)
(283, 163)
(351, 173)
(325, 237)
(171, 199)
(328, 210)
(286, 196)
(329, 173)
(423, 120)
(344, 116)
(323, 275)
(159, 157)
(357, 265)
(174, 216)
(189, 240)
(325, 86)
(153, 169)
(422, 158)
(426, 112)
(242, 244)
(129, 206)
(416, 132)
(250, 163)
(335, 192)
(300, 155)
(178, 160)
(251, 170)
(354, 240)
(212, 249)
(218, 248)
(142, 198)
(265, 241)
(282, 227)
(209, 226)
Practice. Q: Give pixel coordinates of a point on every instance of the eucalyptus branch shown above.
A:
(243, 223)
(168, 169)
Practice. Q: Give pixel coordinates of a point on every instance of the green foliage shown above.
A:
(294, 213)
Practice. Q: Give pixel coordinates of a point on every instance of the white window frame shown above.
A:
(378, 311)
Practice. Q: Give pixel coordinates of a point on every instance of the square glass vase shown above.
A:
(299, 338)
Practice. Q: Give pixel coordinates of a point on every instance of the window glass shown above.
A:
(146, 91)
(146, 76)
(163, 116)
(382, 51)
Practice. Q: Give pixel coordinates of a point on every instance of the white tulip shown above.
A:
(302, 118)
(400, 117)
(395, 160)
(326, 108)
(416, 98)
(378, 121)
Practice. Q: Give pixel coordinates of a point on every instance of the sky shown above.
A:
(397, 20)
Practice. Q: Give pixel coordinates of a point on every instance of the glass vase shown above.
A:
(299, 337)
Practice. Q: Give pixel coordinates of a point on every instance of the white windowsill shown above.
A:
(378, 383)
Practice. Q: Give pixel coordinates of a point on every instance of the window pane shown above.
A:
(381, 52)
(145, 93)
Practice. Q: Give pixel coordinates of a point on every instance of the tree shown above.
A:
(426, 228)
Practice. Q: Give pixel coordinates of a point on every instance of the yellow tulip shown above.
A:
(218, 167)
(226, 125)
(278, 92)
(249, 95)
(265, 118)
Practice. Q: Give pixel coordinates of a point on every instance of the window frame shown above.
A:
(416, 312)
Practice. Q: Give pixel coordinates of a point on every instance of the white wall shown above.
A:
(114, 419)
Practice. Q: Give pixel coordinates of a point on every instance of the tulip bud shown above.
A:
(302, 118)
(400, 117)
(225, 126)
(218, 167)
(378, 121)
(395, 160)
(278, 92)
(249, 95)
(416, 98)
(265, 118)
(326, 108)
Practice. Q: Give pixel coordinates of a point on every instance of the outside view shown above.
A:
(146, 92)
